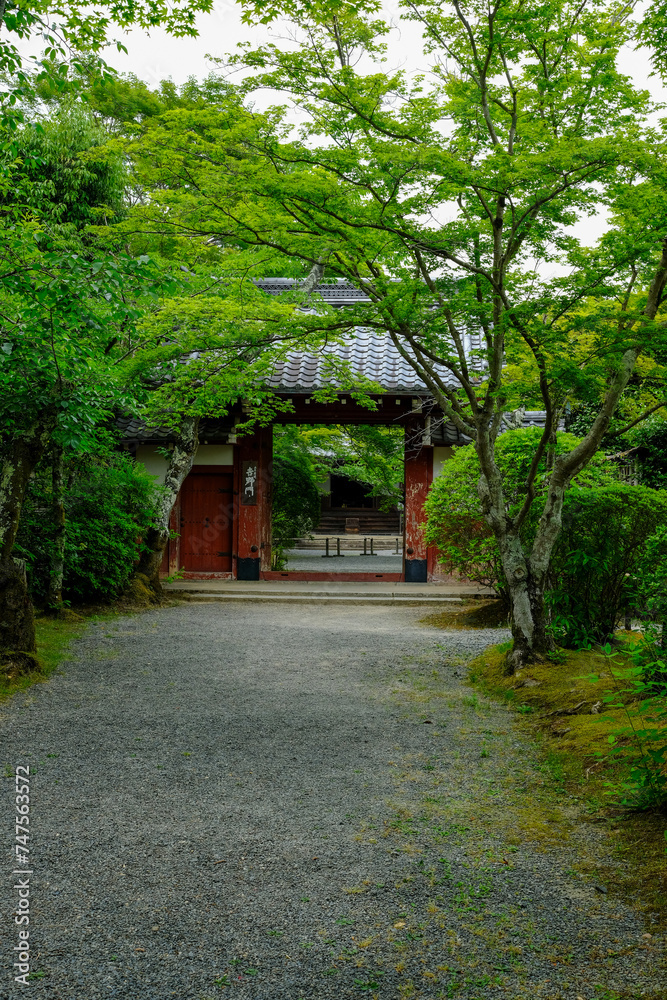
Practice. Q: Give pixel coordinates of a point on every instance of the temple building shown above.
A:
(222, 518)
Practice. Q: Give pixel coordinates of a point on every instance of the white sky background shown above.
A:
(158, 56)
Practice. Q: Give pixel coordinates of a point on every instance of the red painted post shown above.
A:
(254, 463)
(418, 476)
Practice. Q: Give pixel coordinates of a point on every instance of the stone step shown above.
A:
(326, 591)
(349, 599)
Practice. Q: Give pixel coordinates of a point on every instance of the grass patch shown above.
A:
(562, 706)
(566, 704)
(54, 636)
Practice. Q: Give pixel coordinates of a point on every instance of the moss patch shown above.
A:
(482, 613)
(140, 592)
(561, 704)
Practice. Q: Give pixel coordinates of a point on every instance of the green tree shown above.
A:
(451, 197)
(365, 453)
(66, 321)
(63, 175)
(294, 494)
(74, 36)
(57, 306)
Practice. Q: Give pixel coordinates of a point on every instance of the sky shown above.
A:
(157, 56)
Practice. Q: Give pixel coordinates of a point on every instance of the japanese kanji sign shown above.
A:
(249, 483)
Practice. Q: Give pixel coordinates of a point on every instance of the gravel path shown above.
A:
(294, 802)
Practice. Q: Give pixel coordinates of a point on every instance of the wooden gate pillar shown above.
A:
(418, 476)
(253, 478)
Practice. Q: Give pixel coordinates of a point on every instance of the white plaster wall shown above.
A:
(207, 454)
(214, 454)
(440, 456)
(154, 463)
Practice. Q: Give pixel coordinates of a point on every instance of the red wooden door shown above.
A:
(207, 503)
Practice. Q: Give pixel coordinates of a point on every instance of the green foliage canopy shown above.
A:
(295, 496)
(63, 175)
(74, 36)
(454, 518)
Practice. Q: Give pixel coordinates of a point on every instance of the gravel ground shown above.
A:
(277, 803)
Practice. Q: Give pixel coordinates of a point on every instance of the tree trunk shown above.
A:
(145, 583)
(17, 620)
(57, 569)
(17, 624)
(532, 641)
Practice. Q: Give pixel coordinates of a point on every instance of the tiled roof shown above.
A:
(444, 432)
(369, 354)
(366, 353)
(133, 429)
(336, 293)
(136, 431)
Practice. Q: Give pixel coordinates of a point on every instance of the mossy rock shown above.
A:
(15, 664)
(65, 615)
(141, 591)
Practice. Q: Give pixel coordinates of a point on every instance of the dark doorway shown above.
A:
(346, 493)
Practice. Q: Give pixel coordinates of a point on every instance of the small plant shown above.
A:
(373, 983)
(179, 574)
(645, 786)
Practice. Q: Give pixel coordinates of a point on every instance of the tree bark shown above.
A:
(146, 577)
(17, 622)
(57, 569)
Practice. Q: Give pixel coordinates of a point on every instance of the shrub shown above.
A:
(610, 556)
(455, 523)
(109, 504)
(653, 461)
(597, 559)
(650, 591)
